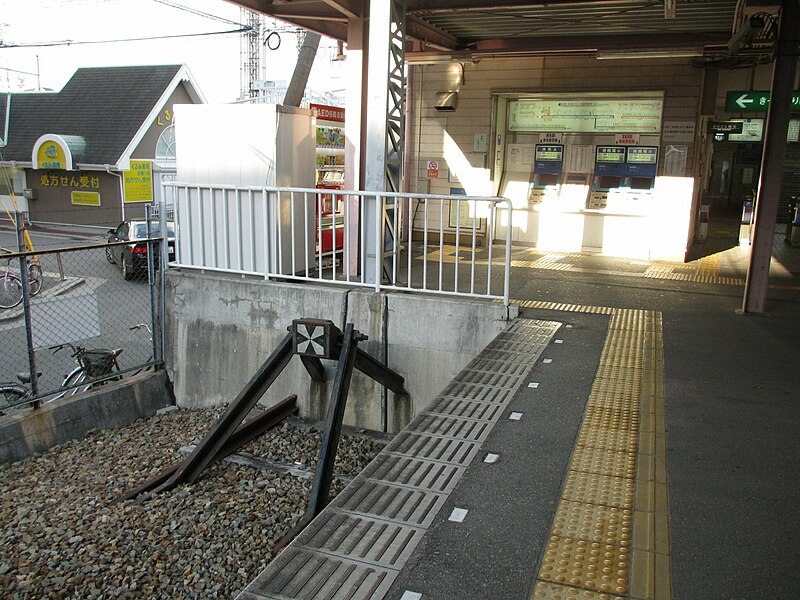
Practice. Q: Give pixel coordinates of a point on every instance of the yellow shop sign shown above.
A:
(138, 181)
(86, 198)
(61, 152)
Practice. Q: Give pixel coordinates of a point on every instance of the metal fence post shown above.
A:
(151, 276)
(26, 309)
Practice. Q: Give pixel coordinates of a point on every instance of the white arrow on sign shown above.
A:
(743, 101)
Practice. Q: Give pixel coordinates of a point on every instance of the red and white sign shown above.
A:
(328, 113)
(433, 169)
(626, 139)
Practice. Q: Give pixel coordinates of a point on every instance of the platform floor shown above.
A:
(629, 436)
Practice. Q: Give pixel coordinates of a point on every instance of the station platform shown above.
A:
(635, 441)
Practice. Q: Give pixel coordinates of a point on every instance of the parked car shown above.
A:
(132, 257)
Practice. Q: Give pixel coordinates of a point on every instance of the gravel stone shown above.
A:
(63, 535)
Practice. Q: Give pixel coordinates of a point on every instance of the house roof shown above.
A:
(107, 106)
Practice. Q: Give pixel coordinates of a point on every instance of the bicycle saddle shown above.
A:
(26, 377)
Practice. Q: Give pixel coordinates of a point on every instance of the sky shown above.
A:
(33, 54)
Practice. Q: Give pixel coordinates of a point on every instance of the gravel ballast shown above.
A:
(63, 534)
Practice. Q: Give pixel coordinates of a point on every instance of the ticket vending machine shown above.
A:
(610, 172)
(548, 166)
(641, 163)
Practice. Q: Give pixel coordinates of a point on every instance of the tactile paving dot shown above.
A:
(604, 462)
(611, 439)
(594, 523)
(611, 418)
(550, 591)
(590, 565)
(599, 489)
(615, 390)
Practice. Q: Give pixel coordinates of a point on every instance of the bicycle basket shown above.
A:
(97, 363)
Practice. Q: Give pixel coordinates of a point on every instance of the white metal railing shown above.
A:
(423, 242)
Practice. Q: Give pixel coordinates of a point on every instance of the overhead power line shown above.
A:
(17, 71)
(199, 13)
(140, 39)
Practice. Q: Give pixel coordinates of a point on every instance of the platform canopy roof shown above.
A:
(450, 29)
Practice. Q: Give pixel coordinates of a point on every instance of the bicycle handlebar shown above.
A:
(58, 347)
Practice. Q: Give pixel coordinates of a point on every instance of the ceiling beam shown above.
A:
(305, 10)
(352, 9)
(588, 43)
(434, 6)
(432, 36)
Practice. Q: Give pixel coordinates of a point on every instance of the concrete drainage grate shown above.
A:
(389, 502)
(359, 544)
(418, 445)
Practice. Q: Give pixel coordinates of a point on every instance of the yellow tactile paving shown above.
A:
(594, 523)
(610, 535)
(604, 462)
(551, 591)
(610, 439)
(589, 565)
(592, 488)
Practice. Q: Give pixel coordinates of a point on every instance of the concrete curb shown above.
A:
(115, 405)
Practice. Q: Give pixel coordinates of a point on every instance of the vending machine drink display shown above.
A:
(329, 176)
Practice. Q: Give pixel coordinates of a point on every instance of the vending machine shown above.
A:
(548, 166)
(329, 176)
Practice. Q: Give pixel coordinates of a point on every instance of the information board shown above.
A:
(752, 131)
(588, 115)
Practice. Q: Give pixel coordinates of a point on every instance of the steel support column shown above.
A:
(769, 187)
(355, 109)
(384, 122)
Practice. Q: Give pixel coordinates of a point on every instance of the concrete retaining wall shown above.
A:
(221, 328)
(114, 405)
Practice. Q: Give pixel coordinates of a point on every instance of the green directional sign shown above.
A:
(754, 101)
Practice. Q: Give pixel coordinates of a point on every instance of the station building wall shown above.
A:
(478, 84)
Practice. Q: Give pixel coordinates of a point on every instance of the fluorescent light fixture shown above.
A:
(650, 53)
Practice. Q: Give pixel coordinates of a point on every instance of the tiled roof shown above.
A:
(106, 106)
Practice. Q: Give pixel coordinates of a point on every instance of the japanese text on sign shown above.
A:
(138, 181)
(76, 181)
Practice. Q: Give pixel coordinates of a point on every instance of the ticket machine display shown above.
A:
(548, 164)
(641, 162)
(609, 173)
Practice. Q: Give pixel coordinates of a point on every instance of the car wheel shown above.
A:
(110, 256)
(127, 271)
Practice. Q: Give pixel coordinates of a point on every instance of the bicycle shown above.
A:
(93, 370)
(145, 326)
(11, 289)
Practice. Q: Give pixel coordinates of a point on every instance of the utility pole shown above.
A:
(302, 70)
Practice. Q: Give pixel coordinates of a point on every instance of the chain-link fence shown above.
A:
(65, 313)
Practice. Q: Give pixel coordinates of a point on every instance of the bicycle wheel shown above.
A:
(9, 397)
(35, 278)
(76, 378)
(10, 291)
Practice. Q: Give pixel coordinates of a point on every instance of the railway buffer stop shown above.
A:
(312, 340)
